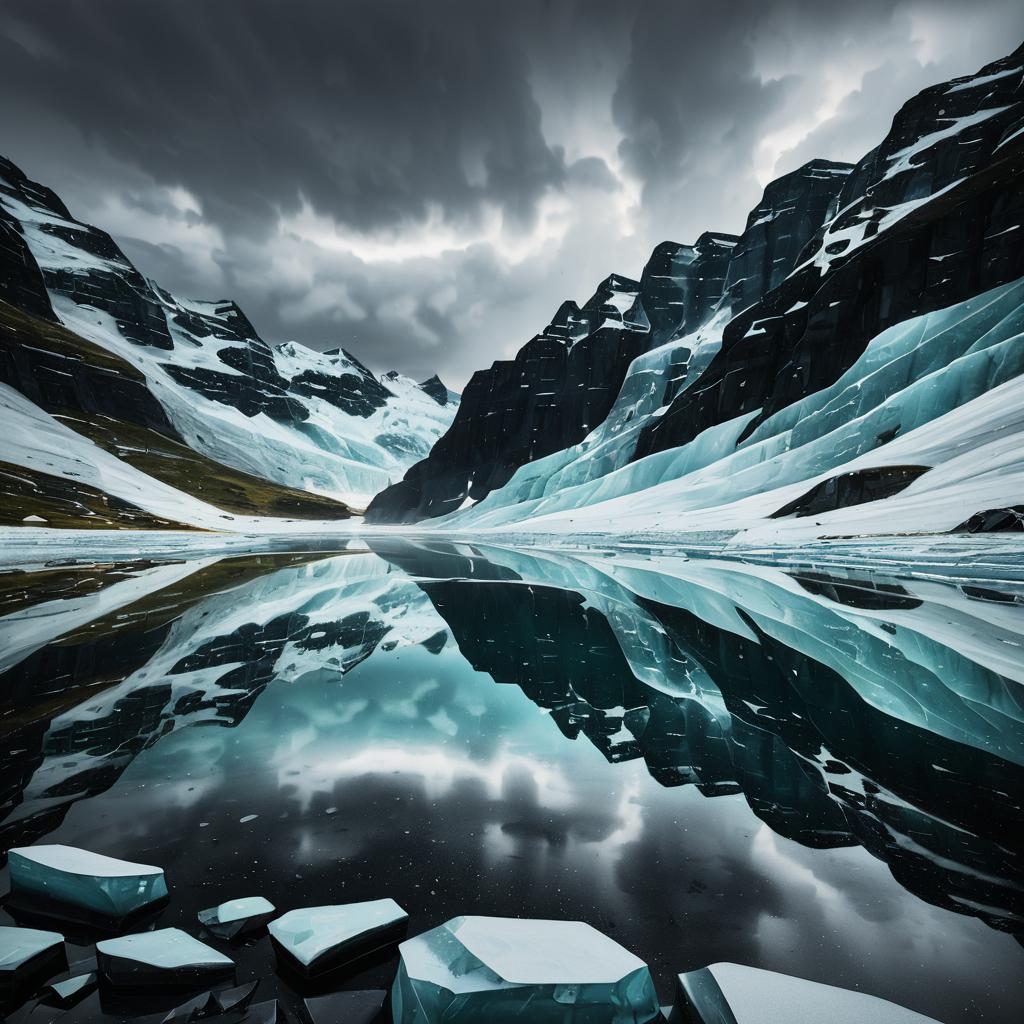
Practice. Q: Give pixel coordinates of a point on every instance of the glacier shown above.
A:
(932, 385)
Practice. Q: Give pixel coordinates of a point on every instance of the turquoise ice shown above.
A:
(509, 969)
(236, 917)
(733, 994)
(70, 991)
(90, 881)
(19, 945)
(166, 955)
(28, 956)
(314, 934)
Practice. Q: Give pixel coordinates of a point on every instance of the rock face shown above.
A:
(929, 218)
(195, 372)
(563, 383)
(790, 212)
(558, 386)
(740, 333)
(21, 281)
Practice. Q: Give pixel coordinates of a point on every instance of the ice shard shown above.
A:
(512, 970)
(237, 917)
(211, 1004)
(167, 958)
(27, 956)
(362, 1007)
(732, 994)
(314, 940)
(67, 993)
(46, 878)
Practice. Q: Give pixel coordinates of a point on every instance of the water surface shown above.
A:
(810, 770)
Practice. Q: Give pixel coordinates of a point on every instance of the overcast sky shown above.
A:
(424, 182)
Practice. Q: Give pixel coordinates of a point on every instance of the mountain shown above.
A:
(128, 405)
(851, 363)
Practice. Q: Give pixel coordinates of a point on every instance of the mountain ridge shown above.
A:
(836, 261)
(266, 431)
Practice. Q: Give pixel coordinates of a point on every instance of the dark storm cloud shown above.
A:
(425, 182)
(371, 111)
(707, 85)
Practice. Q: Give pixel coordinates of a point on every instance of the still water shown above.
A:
(815, 771)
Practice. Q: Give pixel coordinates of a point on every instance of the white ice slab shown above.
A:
(167, 949)
(754, 996)
(235, 916)
(19, 945)
(313, 932)
(84, 879)
(544, 972)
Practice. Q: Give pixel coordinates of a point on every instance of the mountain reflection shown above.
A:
(848, 708)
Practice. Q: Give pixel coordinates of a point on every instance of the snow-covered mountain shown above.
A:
(852, 363)
(179, 390)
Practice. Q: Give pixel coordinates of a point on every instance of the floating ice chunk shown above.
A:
(28, 955)
(351, 1007)
(168, 958)
(507, 969)
(318, 939)
(88, 881)
(237, 917)
(70, 991)
(748, 995)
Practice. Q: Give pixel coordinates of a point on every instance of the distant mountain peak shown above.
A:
(435, 387)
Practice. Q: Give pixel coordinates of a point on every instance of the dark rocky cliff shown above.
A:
(563, 383)
(831, 256)
(560, 384)
(929, 218)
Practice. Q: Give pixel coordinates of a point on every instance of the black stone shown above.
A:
(434, 387)
(365, 1007)
(846, 489)
(994, 520)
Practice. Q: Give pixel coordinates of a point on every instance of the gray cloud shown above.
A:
(424, 183)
